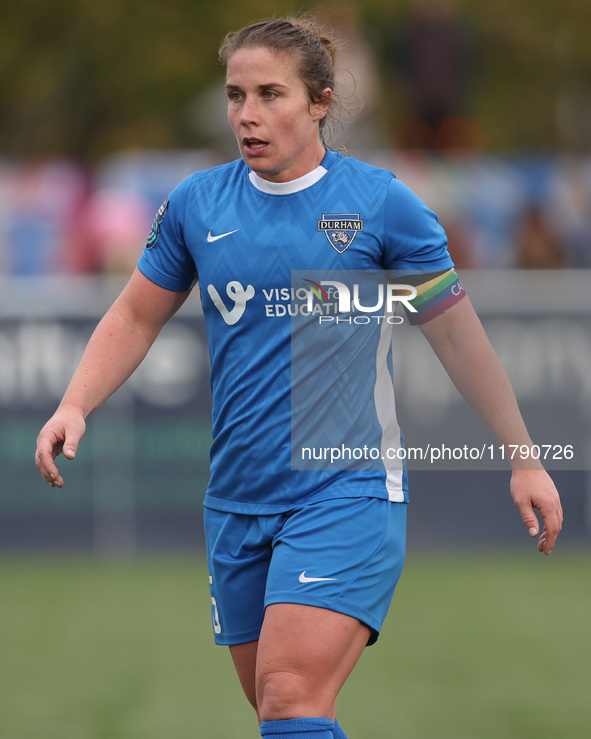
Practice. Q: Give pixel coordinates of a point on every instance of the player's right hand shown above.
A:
(62, 433)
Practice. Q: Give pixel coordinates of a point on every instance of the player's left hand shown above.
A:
(534, 490)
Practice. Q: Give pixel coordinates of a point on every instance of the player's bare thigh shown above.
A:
(301, 661)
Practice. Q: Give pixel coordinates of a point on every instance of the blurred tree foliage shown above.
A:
(529, 82)
(85, 78)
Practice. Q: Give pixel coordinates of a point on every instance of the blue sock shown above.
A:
(338, 733)
(298, 728)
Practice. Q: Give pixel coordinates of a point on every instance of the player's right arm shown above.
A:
(118, 345)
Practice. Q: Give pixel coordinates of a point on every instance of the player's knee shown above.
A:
(282, 695)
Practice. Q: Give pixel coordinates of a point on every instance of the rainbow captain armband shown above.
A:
(435, 295)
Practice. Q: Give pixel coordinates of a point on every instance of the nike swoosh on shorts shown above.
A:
(303, 578)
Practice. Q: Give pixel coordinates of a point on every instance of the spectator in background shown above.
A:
(433, 54)
(111, 225)
(569, 207)
(537, 245)
(460, 245)
(42, 199)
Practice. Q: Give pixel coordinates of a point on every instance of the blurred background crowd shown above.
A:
(500, 211)
(483, 108)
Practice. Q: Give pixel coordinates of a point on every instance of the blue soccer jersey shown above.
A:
(243, 239)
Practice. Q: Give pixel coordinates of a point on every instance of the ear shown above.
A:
(319, 108)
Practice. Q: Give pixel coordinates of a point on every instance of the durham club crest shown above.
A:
(340, 229)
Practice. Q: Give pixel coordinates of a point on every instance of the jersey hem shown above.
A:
(268, 509)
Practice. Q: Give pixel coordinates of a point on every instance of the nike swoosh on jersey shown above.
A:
(303, 578)
(211, 238)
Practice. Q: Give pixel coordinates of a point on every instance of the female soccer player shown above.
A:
(302, 563)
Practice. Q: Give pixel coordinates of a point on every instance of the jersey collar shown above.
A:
(288, 188)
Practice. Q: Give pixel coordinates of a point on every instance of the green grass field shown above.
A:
(475, 645)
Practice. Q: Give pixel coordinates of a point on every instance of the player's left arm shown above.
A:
(460, 342)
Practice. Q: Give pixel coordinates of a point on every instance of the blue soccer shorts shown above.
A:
(344, 554)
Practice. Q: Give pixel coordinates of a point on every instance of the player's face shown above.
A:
(271, 115)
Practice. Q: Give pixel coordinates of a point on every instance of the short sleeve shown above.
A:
(414, 239)
(416, 253)
(166, 260)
